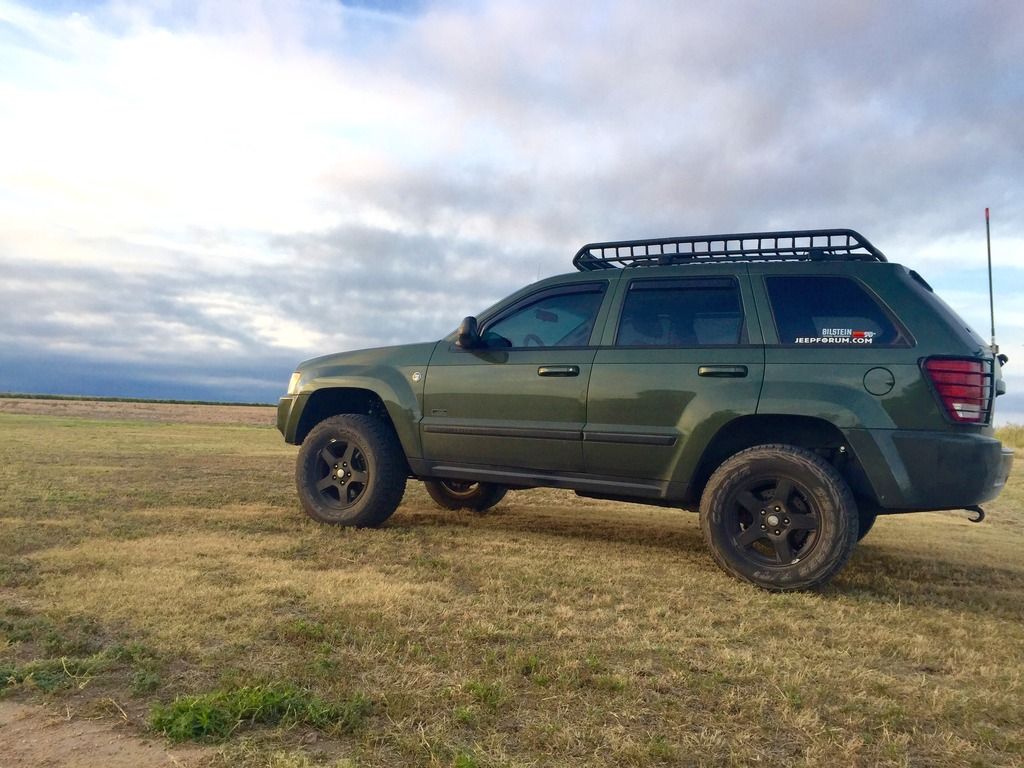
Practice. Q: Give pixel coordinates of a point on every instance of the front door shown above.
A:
(519, 400)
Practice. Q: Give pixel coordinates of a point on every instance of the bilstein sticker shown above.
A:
(838, 336)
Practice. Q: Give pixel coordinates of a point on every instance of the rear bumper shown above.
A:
(917, 470)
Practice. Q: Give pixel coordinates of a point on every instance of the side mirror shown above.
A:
(468, 336)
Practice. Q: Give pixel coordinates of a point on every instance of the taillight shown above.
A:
(963, 387)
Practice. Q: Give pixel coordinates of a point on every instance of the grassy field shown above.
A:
(158, 572)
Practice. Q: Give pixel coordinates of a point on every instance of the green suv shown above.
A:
(790, 385)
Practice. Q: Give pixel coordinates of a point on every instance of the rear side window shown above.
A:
(816, 310)
(681, 313)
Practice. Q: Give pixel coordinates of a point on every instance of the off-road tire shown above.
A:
(865, 521)
(453, 494)
(363, 481)
(808, 532)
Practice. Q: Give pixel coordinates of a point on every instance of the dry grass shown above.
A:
(1012, 435)
(164, 559)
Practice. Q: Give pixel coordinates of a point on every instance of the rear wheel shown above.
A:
(780, 517)
(459, 494)
(350, 471)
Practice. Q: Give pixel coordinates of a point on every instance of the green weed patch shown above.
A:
(215, 716)
(48, 675)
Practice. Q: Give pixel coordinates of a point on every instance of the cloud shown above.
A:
(708, 116)
(239, 182)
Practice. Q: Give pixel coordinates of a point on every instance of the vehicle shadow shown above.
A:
(664, 529)
(874, 573)
(933, 581)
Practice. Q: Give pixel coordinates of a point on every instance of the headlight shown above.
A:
(293, 383)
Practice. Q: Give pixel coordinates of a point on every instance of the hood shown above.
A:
(397, 356)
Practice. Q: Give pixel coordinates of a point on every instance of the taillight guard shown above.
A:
(963, 386)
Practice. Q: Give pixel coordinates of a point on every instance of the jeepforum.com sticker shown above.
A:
(838, 336)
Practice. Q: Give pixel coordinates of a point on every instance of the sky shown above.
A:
(194, 197)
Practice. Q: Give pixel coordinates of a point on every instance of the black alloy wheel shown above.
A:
(351, 471)
(780, 517)
(343, 472)
(773, 519)
(465, 494)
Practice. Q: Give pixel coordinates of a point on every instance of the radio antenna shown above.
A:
(991, 302)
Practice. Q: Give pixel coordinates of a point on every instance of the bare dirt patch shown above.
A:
(177, 413)
(34, 737)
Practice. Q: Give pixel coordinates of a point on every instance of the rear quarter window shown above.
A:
(825, 310)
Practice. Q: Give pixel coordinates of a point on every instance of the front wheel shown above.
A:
(350, 471)
(458, 494)
(780, 517)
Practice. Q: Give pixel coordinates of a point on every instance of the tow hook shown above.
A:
(977, 511)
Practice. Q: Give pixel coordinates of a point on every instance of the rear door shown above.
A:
(520, 400)
(682, 355)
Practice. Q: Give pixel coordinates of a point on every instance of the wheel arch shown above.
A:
(809, 432)
(334, 401)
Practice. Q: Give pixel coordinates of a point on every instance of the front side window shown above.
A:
(554, 319)
(681, 313)
(820, 310)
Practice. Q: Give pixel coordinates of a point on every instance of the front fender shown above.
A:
(390, 379)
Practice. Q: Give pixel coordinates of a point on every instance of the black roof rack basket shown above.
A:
(797, 245)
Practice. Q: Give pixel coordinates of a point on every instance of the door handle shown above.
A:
(558, 370)
(723, 371)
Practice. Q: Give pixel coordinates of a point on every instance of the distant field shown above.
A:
(141, 410)
(154, 552)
